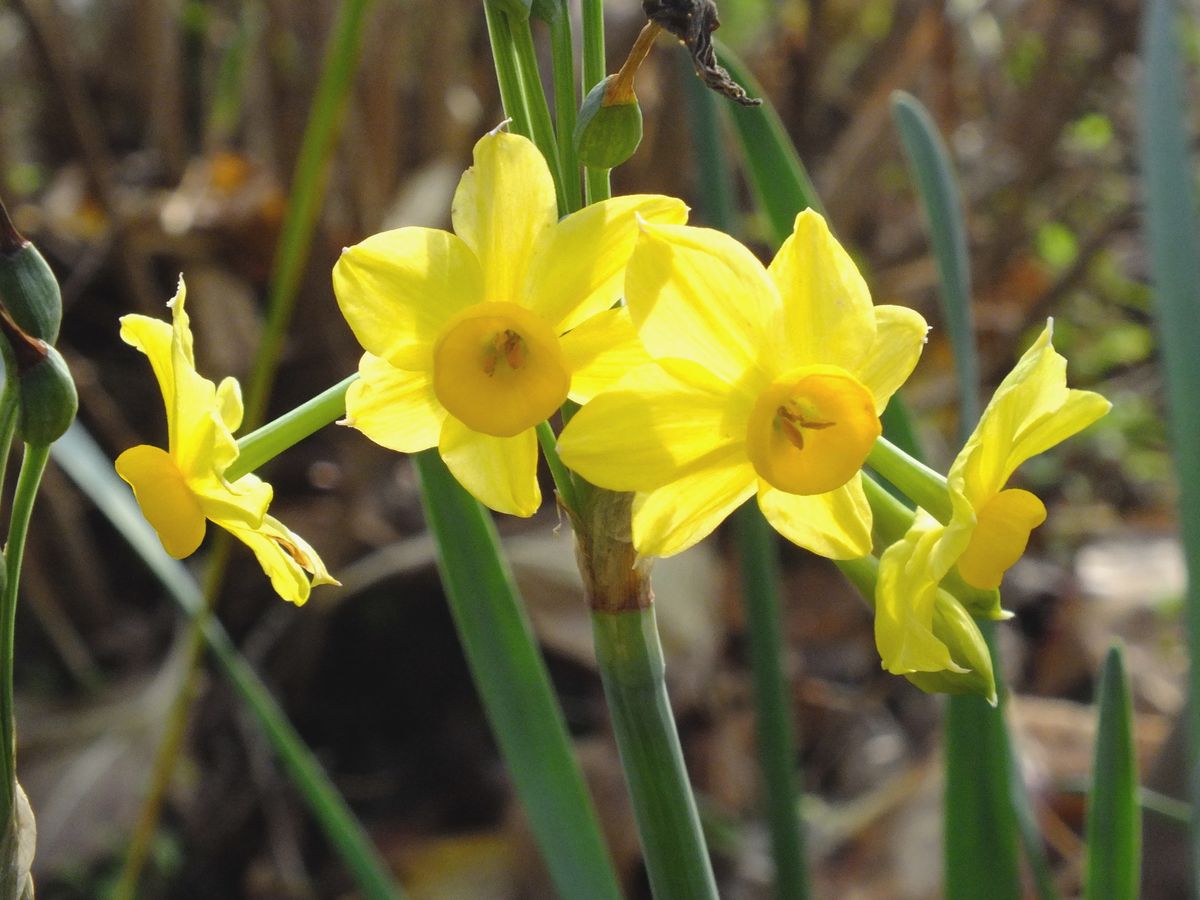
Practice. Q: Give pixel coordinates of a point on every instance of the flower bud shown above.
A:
(955, 628)
(609, 127)
(28, 289)
(48, 399)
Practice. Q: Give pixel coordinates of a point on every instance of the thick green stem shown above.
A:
(32, 467)
(631, 667)
(772, 709)
(507, 76)
(535, 103)
(276, 436)
(596, 182)
(566, 103)
(512, 681)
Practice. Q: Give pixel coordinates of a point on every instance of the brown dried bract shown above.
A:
(693, 22)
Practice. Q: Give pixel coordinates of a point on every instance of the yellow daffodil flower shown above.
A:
(476, 337)
(182, 488)
(767, 381)
(1031, 411)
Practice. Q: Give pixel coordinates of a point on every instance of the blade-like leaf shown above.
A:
(1114, 822)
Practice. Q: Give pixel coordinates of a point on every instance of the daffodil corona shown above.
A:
(989, 526)
(476, 337)
(767, 381)
(182, 488)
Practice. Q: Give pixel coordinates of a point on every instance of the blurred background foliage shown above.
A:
(142, 138)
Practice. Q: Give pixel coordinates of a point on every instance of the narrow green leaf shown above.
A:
(929, 163)
(1114, 821)
(85, 463)
(778, 178)
(511, 678)
(1173, 237)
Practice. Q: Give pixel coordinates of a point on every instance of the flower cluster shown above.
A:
(717, 380)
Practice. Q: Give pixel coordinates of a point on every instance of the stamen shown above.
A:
(792, 423)
(514, 349)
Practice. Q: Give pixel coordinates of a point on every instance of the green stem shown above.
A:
(507, 76)
(535, 102)
(596, 182)
(272, 439)
(512, 681)
(629, 656)
(306, 196)
(32, 466)
(772, 709)
(563, 481)
(921, 484)
(566, 103)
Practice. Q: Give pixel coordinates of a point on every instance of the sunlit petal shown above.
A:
(243, 502)
(166, 501)
(659, 421)
(698, 294)
(899, 339)
(836, 524)
(393, 407)
(285, 557)
(500, 472)
(579, 267)
(602, 351)
(398, 288)
(827, 306)
(504, 205)
(678, 515)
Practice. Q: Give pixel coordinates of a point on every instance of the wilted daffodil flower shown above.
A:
(476, 337)
(767, 381)
(183, 487)
(1031, 411)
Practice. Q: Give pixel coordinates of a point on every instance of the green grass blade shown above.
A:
(1173, 238)
(1114, 821)
(929, 163)
(778, 178)
(512, 681)
(77, 454)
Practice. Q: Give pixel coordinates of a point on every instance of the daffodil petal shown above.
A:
(398, 288)
(601, 352)
(660, 420)
(229, 403)
(899, 338)
(394, 407)
(240, 503)
(579, 266)
(698, 294)
(286, 559)
(904, 604)
(680, 514)
(836, 524)
(153, 338)
(499, 472)
(166, 501)
(1031, 411)
(505, 204)
(827, 306)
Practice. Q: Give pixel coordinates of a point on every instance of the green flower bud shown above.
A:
(955, 628)
(609, 127)
(28, 289)
(48, 399)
